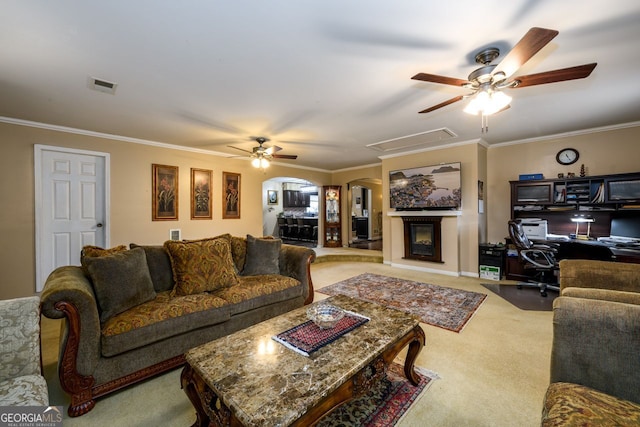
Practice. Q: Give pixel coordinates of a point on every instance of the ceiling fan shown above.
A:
(487, 82)
(263, 155)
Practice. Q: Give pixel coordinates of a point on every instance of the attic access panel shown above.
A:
(418, 140)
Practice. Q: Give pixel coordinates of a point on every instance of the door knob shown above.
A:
(99, 225)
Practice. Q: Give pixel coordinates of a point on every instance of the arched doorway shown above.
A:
(290, 210)
(365, 202)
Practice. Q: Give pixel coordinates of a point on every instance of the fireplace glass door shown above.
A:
(422, 238)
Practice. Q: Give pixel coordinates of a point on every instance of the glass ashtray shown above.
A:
(326, 316)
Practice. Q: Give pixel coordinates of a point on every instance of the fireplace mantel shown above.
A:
(424, 213)
(450, 241)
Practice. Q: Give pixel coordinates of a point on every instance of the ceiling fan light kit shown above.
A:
(488, 81)
(487, 102)
(260, 162)
(262, 156)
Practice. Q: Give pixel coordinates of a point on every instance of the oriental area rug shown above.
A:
(385, 404)
(166, 404)
(446, 308)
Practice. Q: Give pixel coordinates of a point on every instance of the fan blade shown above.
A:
(535, 39)
(443, 104)
(272, 150)
(241, 149)
(571, 73)
(434, 78)
(284, 156)
(502, 109)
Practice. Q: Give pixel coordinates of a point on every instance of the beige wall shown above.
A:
(460, 256)
(605, 152)
(602, 153)
(482, 204)
(130, 196)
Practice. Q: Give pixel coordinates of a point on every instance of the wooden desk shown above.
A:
(578, 249)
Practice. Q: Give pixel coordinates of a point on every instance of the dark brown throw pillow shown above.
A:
(263, 256)
(159, 266)
(120, 281)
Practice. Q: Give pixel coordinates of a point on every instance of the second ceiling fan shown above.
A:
(263, 155)
(487, 82)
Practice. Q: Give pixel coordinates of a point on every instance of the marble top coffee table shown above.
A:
(247, 378)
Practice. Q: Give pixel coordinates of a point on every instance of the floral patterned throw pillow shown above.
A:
(201, 265)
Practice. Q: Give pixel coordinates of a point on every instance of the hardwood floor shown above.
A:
(374, 245)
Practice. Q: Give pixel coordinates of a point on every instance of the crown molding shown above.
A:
(568, 134)
(355, 168)
(76, 131)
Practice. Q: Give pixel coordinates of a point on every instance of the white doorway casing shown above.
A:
(71, 206)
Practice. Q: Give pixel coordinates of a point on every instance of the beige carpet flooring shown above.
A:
(493, 373)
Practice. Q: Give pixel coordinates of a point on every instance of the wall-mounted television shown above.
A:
(426, 187)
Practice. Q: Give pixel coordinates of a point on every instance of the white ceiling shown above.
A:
(321, 79)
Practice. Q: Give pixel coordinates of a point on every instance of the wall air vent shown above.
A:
(415, 141)
(102, 85)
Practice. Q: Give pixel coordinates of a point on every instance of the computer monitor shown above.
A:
(628, 228)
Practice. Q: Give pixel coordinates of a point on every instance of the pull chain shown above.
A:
(485, 124)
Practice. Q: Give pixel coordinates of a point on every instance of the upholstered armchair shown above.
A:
(21, 380)
(606, 280)
(594, 364)
(595, 352)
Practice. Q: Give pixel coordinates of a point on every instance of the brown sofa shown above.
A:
(596, 346)
(187, 293)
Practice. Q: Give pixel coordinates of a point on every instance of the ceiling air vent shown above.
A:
(418, 140)
(102, 85)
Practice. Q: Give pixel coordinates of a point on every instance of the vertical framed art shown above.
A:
(201, 193)
(231, 195)
(272, 197)
(164, 203)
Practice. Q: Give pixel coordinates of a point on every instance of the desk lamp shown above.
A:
(578, 219)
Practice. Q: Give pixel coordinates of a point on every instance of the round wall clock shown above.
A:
(567, 156)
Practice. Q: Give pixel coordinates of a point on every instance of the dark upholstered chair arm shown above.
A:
(595, 343)
(618, 276)
(68, 293)
(295, 261)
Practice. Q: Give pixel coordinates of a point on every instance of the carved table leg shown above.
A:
(415, 346)
(190, 387)
(210, 410)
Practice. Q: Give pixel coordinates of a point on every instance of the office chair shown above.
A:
(535, 256)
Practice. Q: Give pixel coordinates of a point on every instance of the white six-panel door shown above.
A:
(71, 206)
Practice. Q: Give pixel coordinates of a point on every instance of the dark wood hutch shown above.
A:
(558, 200)
(601, 198)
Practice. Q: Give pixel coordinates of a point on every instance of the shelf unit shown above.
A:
(603, 198)
(556, 200)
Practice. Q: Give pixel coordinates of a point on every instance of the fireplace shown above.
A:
(422, 238)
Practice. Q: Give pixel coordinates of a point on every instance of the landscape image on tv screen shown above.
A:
(427, 187)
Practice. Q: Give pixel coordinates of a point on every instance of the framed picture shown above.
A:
(230, 195)
(164, 203)
(272, 197)
(201, 193)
